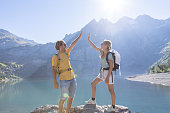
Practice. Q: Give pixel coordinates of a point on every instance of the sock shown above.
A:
(113, 106)
(93, 98)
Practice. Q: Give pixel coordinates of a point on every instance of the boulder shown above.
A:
(81, 109)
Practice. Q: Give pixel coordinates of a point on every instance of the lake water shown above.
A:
(25, 96)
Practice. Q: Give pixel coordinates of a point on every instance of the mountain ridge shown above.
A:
(138, 44)
(8, 40)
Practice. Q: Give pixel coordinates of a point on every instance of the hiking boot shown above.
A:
(110, 109)
(90, 101)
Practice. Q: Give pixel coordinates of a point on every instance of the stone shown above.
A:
(90, 106)
(81, 109)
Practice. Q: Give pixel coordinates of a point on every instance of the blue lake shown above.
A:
(25, 96)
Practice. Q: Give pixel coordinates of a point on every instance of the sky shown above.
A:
(50, 20)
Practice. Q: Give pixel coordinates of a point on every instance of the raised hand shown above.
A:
(80, 34)
(75, 41)
(96, 48)
(89, 37)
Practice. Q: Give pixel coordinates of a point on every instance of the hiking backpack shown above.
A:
(116, 59)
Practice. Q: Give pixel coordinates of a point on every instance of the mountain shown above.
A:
(163, 64)
(139, 41)
(8, 40)
(36, 60)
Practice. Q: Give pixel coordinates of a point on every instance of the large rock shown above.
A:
(81, 109)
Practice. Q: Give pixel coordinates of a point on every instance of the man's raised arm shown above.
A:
(75, 41)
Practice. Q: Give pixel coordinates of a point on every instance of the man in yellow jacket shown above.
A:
(61, 66)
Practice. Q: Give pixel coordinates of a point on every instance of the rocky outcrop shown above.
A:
(81, 109)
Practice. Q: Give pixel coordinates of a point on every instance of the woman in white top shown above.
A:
(105, 74)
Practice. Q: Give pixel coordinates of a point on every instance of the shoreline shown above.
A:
(5, 80)
(158, 78)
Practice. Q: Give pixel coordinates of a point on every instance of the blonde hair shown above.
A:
(59, 43)
(108, 43)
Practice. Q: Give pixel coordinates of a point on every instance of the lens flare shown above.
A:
(65, 95)
(75, 75)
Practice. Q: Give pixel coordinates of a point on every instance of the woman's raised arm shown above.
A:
(96, 48)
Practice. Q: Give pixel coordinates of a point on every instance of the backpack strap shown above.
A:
(112, 76)
(58, 63)
(67, 55)
(107, 58)
(114, 62)
(107, 55)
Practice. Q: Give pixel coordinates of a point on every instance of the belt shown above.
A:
(69, 69)
(106, 68)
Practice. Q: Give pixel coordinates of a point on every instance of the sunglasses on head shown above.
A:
(64, 44)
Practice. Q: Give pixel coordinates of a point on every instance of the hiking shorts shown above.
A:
(68, 88)
(103, 74)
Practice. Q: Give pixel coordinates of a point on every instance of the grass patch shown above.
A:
(160, 69)
(2, 64)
